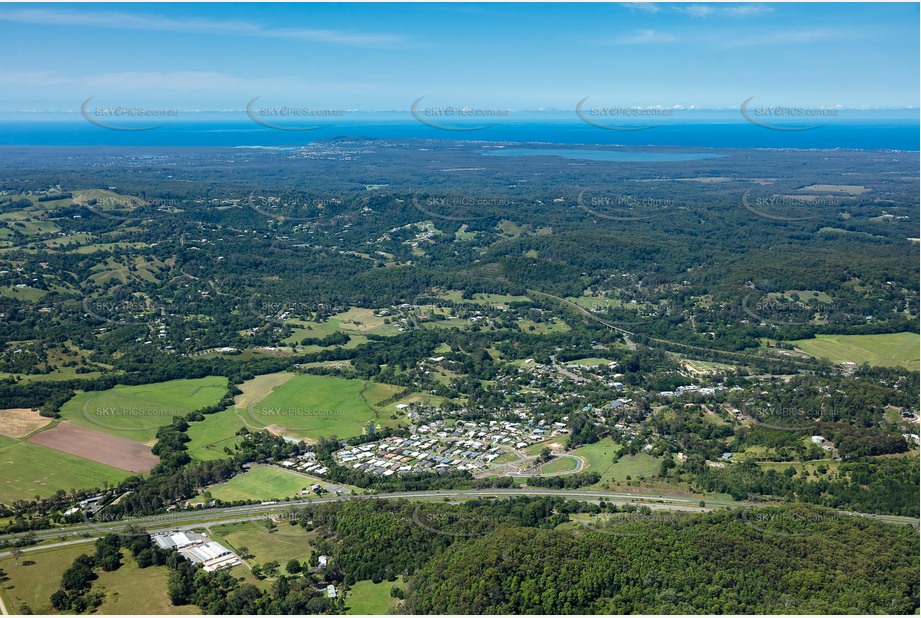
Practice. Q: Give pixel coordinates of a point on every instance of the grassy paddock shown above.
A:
(368, 598)
(308, 406)
(892, 350)
(135, 412)
(262, 483)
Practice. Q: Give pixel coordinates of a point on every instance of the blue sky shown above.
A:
(496, 56)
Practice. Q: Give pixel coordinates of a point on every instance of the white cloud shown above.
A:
(706, 10)
(646, 7)
(644, 37)
(133, 21)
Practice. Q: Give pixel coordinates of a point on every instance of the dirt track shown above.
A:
(97, 446)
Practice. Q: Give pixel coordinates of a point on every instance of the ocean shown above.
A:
(898, 134)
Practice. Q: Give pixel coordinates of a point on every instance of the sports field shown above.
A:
(308, 406)
(135, 412)
(892, 350)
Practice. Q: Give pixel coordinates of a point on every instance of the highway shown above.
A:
(208, 517)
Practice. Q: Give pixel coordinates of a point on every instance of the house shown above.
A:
(330, 592)
(818, 440)
(322, 561)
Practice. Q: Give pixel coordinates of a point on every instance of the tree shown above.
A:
(293, 566)
(545, 455)
(16, 553)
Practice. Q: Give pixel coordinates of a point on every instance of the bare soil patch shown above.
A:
(97, 446)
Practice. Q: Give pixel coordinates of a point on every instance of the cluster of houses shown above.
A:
(436, 447)
(306, 463)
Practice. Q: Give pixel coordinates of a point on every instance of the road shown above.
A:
(201, 518)
(566, 372)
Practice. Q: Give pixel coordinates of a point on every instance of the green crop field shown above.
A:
(308, 406)
(28, 470)
(366, 597)
(262, 483)
(892, 350)
(135, 412)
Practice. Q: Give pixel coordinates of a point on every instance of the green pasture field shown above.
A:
(309, 406)
(891, 350)
(135, 412)
(368, 598)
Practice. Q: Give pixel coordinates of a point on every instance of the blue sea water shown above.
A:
(900, 134)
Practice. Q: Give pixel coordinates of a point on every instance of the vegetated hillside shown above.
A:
(718, 563)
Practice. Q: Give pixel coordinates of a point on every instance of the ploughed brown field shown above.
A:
(97, 446)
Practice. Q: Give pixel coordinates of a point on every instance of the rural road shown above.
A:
(203, 517)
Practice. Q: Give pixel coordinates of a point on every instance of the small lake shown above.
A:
(601, 155)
